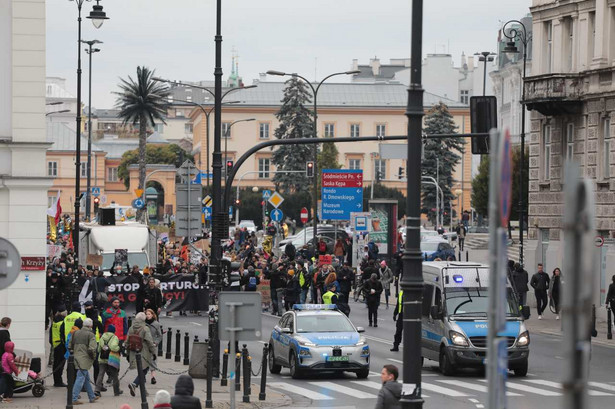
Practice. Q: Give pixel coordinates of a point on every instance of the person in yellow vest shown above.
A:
(70, 319)
(398, 317)
(55, 339)
(330, 297)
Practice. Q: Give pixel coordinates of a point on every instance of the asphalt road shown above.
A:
(467, 389)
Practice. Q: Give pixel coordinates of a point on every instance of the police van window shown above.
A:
(427, 297)
(283, 321)
(438, 297)
(289, 323)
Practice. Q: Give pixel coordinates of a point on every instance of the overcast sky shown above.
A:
(313, 38)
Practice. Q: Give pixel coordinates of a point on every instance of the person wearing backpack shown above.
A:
(251, 280)
(108, 361)
(140, 339)
(322, 247)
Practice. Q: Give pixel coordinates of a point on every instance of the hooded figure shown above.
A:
(148, 353)
(183, 399)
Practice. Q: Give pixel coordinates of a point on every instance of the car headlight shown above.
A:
(304, 352)
(361, 342)
(305, 342)
(524, 339)
(458, 339)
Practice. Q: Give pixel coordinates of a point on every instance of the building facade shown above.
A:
(572, 97)
(23, 192)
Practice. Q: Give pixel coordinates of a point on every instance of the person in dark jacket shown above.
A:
(345, 277)
(519, 280)
(388, 397)
(540, 284)
(250, 281)
(5, 335)
(373, 289)
(290, 251)
(152, 296)
(610, 295)
(555, 290)
(275, 275)
(291, 293)
(183, 399)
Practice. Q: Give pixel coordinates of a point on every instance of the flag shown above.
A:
(55, 210)
(53, 228)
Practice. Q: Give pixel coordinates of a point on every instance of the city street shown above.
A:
(468, 389)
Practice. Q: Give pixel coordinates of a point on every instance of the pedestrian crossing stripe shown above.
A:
(375, 385)
(442, 390)
(299, 391)
(557, 385)
(473, 387)
(529, 389)
(344, 389)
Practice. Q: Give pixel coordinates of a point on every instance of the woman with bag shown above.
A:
(108, 361)
(155, 328)
(140, 340)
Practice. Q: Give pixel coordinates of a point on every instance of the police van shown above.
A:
(454, 318)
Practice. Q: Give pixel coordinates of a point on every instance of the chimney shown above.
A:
(262, 77)
(355, 64)
(463, 59)
(375, 64)
(471, 63)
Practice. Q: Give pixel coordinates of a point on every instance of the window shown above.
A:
(170, 99)
(427, 298)
(159, 128)
(188, 128)
(49, 90)
(354, 164)
(179, 113)
(464, 96)
(546, 150)
(264, 165)
(570, 141)
(263, 130)
(606, 148)
(50, 201)
(549, 28)
(380, 169)
(381, 130)
(52, 168)
(226, 129)
(112, 175)
(189, 98)
(355, 130)
(329, 130)
(570, 45)
(84, 169)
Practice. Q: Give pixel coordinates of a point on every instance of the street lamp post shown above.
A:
(519, 33)
(98, 16)
(315, 94)
(485, 56)
(412, 275)
(88, 193)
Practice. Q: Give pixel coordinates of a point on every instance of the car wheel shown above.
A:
(273, 367)
(521, 370)
(295, 372)
(446, 367)
(363, 373)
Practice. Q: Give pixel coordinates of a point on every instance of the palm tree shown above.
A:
(140, 102)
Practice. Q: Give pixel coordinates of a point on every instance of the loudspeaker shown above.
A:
(483, 118)
(106, 216)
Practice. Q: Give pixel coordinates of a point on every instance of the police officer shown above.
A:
(69, 321)
(55, 294)
(398, 317)
(55, 339)
(330, 297)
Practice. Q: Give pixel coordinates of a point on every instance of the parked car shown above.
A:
(249, 224)
(440, 248)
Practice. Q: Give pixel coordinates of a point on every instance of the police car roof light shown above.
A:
(458, 278)
(307, 307)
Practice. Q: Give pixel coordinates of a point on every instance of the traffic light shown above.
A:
(309, 169)
(96, 204)
(229, 166)
(401, 173)
(237, 202)
(483, 117)
(378, 176)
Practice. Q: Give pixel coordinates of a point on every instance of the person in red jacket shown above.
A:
(115, 316)
(9, 368)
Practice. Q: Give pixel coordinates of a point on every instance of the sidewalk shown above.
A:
(56, 397)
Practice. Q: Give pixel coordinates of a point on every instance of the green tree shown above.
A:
(168, 154)
(141, 102)
(296, 121)
(442, 152)
(480, 188)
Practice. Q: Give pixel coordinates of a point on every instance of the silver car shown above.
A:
(318, 338)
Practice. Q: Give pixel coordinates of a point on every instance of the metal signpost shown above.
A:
(240, 319)
(342, 193)
(188, 217)
(500, 195)
(304, 219)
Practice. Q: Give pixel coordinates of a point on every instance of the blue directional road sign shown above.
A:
(266, 194)
(207, 212)
(138, 203)
(277, 215)
(95, 191)
(341, 193)
(230, 212)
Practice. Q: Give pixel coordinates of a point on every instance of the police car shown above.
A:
(315, 337)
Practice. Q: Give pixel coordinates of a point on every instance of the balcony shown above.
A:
(554, 94)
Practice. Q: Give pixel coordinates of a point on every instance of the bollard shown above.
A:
(141, 381)
(169, 337)
(186, 349)
(247, 367)
(262, 395)
(178, 345)
(210, 358)
(223, 380)
(238, 372)
(459, 256)
(467, 256)
(196, 338)
(160, 349)
(70, 380)
(609, 324)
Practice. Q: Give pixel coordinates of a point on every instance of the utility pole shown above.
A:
(412, 276)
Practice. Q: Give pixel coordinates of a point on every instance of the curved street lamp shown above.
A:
(315, 93)
(514, 34)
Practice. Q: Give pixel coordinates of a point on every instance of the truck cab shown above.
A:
(455, 318)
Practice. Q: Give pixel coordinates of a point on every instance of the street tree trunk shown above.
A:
(142, 142)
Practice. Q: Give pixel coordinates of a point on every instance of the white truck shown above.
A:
(137, 238)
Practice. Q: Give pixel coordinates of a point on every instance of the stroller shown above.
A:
(29, 379)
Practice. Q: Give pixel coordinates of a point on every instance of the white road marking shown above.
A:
(443, 391)
(474, 400)
(263, 342)
(345, 390)
(375, 385)
(196, 323)
(299, 391)
(557, 385)
(384, 341)
(602, 386)
(395, 360)
(529, 389)
(474, 387)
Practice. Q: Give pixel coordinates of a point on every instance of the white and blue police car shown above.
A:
(314, 337)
